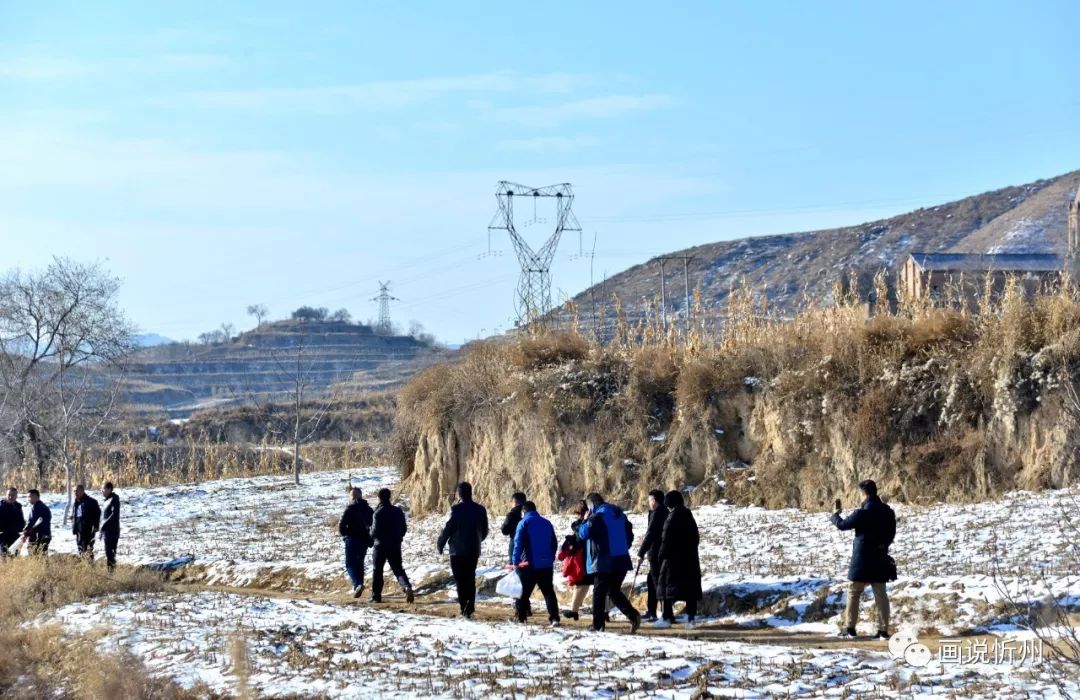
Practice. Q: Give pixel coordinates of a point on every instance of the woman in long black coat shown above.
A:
(680, 568)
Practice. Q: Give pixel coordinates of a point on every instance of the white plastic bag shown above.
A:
(509, 585)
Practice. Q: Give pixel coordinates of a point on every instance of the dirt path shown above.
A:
(714, 632)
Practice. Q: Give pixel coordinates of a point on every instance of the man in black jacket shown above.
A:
(12, 522)
(86, 520)
(355, 529)
(510, 523)
(650, 547)
(388, 529)
(874, 524)
(465, 530)
(110, 524)
(39, 529)
(509, 528)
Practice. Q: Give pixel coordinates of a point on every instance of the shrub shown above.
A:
(547, 348)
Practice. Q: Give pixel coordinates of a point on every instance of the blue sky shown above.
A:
(220, 154)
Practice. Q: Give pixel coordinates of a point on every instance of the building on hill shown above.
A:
(933, 275)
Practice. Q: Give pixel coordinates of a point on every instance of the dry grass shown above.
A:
(44, 661)
(918, 387)
(140, 463)
(29, 585)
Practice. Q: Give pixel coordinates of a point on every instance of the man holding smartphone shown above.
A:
(874, 524)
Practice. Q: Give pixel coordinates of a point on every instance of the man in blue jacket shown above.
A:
(534, 556)
(466, 528)
(874, 524)
(608, 533)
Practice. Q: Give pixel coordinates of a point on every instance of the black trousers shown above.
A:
(40, 545)
(536, 578)
(669, 610)
(7, 539)
(85, 542)
(464, 570)
(381, 557)
(111, 540)
(609, 585)
(650, 580)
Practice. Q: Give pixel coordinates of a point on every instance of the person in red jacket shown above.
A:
(572, 556)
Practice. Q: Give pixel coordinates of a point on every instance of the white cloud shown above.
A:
(603, 107)
(548, 144)
(380, 94)
(33, 66)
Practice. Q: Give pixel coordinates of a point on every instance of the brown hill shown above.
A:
(791, 267)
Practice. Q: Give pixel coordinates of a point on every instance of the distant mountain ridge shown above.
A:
(1029, 218)
(149, 340)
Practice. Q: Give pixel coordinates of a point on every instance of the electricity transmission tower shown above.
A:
(384, 299)
(534, 286)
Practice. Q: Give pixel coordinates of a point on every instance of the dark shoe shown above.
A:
(570, 614)
(409, 597)
(648, 617)
(376, 600)
(882, 634)
(635, 623)
(358, 591)
(848, 632)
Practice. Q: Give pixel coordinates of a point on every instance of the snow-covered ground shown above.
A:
(312, 648)
(763, 569)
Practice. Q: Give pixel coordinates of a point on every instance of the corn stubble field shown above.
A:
(268, 613)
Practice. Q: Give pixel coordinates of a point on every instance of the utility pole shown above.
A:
(663, 296)
(686, 287)
(385, 325)
(534, 286)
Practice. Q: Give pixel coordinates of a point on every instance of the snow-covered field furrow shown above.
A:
(310, 648)
(773, 569)
(764, 566)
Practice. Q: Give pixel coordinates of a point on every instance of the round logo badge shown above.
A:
(918, 655)
(899, 642)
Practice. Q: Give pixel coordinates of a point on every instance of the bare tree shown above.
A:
(302, 407)
(212, 337)
(227, 330)
(342, 315)
(62, 336)
(260, 312)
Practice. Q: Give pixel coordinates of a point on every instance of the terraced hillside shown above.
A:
(183, 377)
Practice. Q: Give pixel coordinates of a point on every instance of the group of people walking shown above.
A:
(596, 555)
(89, 522)
(382, 530)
